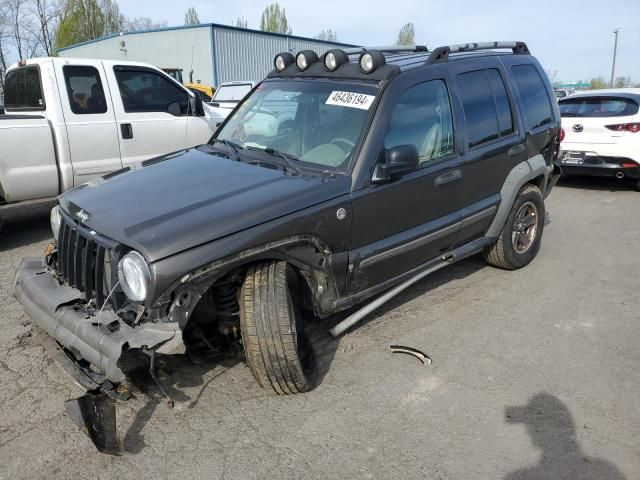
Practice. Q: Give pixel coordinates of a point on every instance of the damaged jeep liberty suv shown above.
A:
(336, 179)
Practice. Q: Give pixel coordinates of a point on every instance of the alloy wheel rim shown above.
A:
(525, 227)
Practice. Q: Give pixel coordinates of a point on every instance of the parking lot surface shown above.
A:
(535, 374)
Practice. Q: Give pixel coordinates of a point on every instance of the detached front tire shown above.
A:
(278, 351)
(519, 240)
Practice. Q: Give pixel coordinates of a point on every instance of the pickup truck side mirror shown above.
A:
(196, 106)
(398, 160)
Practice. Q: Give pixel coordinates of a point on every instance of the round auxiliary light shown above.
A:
(305, 58)
(371, 60)
(283, 60)
(134, 276)
(334, 58)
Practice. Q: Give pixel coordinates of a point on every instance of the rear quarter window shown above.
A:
(23, 90)
(585, 106)
(536, 104)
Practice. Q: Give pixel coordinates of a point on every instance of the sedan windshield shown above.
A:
(316, 122)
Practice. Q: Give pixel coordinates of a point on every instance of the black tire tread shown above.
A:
(495, 254)
(266, 318)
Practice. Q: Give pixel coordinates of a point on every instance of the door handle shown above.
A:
(127, 130)
(516, 150)
(452, 176)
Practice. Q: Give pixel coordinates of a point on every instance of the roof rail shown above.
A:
(388, 49)
(441, 54)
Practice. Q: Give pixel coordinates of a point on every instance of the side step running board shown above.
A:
(458, 254)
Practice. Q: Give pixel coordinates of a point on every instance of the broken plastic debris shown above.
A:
(423, 357)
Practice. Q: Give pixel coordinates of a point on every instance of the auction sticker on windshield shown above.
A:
(350, 99)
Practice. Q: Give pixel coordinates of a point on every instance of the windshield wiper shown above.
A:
(277, 153)
(230, 145)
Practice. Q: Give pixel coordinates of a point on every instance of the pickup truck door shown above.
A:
(89, 117)
(152, 112)
(414, 217)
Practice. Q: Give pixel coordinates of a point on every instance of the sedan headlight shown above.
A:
(56, 220)
(134, 276)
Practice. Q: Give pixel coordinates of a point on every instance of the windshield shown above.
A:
(232, 93)
(584, 106)
(314, 121)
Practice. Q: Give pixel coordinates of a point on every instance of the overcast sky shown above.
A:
(573, 37)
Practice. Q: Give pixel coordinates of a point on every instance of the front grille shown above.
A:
(88, 262)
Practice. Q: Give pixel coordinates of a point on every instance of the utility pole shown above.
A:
(615, 48)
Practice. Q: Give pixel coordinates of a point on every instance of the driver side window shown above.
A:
(422, 117)
(148, 91)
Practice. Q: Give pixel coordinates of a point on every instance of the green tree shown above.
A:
(241, 22)
(81, 20)
(138, 24)
(274, 19)
(406, 35)
(622, 82)
(328, 35)
(191, 17)
(598, 83)
(114, 21)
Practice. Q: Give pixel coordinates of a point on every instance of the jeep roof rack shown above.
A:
(441, 54)
(388, 49)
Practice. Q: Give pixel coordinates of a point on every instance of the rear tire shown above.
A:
(278, 352)
(519, 241)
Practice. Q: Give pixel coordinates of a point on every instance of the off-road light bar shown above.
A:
(371, 60)
(334, 58)
(283, 60)
(305, 58)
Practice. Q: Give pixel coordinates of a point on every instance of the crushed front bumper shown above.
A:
(101, 338)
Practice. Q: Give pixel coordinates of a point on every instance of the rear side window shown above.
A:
(584, 106)
(84, 88)
(148, 91)
(533, 93)
(422, 117)
(23, 90)
(486, 106)
(503, 109)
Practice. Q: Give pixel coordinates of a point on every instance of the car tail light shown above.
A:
(561, 136)
(625, 127)
(628, 164)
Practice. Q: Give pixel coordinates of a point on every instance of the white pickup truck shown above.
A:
(70, 120)
(227, 97)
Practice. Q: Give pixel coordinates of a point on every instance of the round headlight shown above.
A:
(371, 60)
(301, 62)
(305, 58)
(330, 61)
(56, 220)
(134, 276)
(366, 62)
(334, 58)
(282, 61)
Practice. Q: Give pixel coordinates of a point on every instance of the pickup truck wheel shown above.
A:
(519, 241)
(278, 352)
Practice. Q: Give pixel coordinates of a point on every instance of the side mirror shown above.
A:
(399, 159)
(196, 105)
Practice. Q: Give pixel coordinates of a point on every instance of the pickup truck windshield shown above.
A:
(231, 93)
(314, 121)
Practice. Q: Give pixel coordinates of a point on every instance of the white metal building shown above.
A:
(215, 53)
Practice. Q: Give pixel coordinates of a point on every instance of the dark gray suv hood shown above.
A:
(192, 198)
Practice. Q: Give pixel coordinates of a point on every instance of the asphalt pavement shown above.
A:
(535, 374)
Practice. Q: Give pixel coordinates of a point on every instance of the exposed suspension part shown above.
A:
(213, 330)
